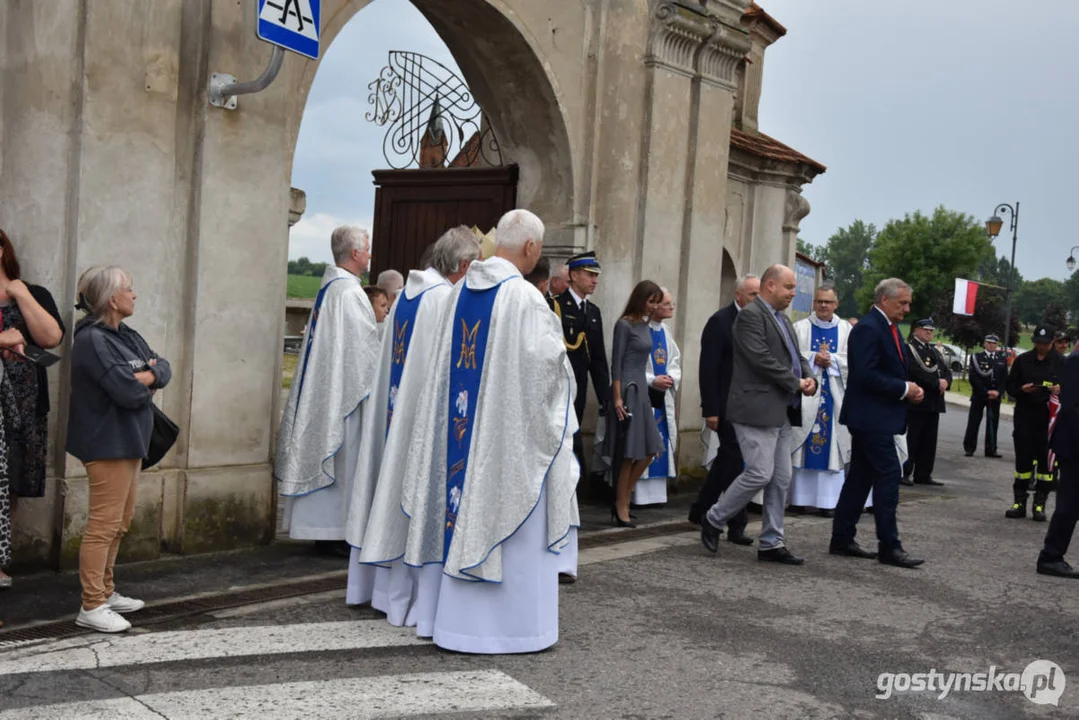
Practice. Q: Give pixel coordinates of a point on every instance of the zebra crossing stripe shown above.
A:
(364, 698)
(179, 645)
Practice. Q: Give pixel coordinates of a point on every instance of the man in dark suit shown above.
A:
(768, 379)
(988, 376)
(875, 411)
(1065, 443)
(582, 330)
(716, 365)
(927, 368)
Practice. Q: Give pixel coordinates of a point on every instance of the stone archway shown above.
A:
(510, 80)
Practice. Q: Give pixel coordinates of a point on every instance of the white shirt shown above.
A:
(576, 298)
(906, 388)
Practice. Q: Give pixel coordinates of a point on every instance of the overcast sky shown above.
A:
(965, 103)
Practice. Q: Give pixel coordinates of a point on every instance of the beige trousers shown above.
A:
(113, 487)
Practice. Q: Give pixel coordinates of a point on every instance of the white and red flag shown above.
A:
(966, 291)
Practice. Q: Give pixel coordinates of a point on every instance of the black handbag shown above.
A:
(657, 398)
(162, 437)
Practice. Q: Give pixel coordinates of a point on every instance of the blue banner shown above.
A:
(660, 466)
(806, 276)
(311, 336)
(471, 323)
(818, 448)
(404, 322)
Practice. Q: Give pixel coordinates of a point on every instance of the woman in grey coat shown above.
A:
(114, 375)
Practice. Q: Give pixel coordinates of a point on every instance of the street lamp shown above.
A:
(1070, 262)
(993, 227)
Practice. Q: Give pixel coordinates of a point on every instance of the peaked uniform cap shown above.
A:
(584, 261)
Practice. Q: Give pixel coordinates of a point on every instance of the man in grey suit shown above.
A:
(768, 380)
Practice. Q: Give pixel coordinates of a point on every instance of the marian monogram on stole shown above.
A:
(467, 358)
(399, 343)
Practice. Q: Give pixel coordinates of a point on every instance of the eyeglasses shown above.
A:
(826, 302)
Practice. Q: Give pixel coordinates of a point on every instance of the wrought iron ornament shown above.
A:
(415, 95)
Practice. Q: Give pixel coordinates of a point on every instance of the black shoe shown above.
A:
(333, 548)
(868, 510)
(738, 536)
(566, 579)
(797, 510)
(825, 512)
(1037, 513)
(905, 480)
(619, 522)
(899, 558)
(968, 453)
(929, 481)
(851, 549)
(993, 455)
(1018, 509)
(709, 536)
(694, 517)
(779, 555)
(1057, 568)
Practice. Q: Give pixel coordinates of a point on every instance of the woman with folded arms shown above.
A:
(114, 374)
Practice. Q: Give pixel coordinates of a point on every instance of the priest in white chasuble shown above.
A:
(490, 478)
(664, 374)
(377, 528)
(822, 445)
(318, 444)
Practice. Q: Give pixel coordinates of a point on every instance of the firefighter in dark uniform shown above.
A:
(988, 372)
(927, 369)
(1033, 378)
(582, 328)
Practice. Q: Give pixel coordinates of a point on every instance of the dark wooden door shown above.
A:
(414, 207)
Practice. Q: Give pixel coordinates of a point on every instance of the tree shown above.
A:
(929, 253)
(846, 255)
(969, 331)
(1034, 296)
(811, 251)
(303, 266)
(998, 271)
(1055, 316)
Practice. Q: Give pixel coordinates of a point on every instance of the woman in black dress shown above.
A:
(28, 316)
(639, 440)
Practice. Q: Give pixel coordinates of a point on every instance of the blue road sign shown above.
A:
(292, 24)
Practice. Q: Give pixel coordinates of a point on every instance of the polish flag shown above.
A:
(965, 294)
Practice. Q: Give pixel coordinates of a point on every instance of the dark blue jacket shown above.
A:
(877, 378)
(110, 417)
(1066, 432)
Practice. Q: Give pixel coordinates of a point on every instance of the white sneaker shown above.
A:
(102, 619)
(122, 604)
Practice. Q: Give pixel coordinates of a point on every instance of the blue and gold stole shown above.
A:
(311, 337)
(660, 467)
(818, 448)
(471, 323)
(404, 322)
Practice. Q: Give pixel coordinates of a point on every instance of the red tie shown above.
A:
(898, 344)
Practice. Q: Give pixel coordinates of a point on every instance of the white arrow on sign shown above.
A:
(292, 15)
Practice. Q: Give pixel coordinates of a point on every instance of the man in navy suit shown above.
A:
(1065, 443)
(875, 411)
(716, 365)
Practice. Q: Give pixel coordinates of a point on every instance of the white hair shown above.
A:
(890, 288)
(347, 238)
(561, 270)
(390, 281)
(516, 228)
(740, 283)
(97, 286)
(457, 245)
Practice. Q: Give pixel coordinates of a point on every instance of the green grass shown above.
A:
(303, 286)
(961, 386)
(288, 369)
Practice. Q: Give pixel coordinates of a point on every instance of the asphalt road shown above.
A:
(655, 628)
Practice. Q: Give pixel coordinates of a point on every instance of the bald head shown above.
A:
(778, 286)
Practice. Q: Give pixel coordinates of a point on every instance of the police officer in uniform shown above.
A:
(1062, 342)
(1034, 377)
(988, 372)
(582, 328)
(927, 369)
